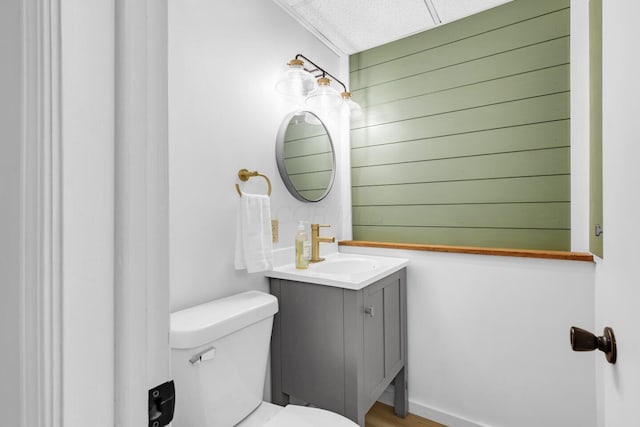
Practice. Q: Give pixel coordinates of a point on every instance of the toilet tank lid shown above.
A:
(205, 323)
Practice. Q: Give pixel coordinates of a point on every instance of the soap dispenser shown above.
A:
(302, 247)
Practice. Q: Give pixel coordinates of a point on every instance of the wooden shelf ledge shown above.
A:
(523, 253)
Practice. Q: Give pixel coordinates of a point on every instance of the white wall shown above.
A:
(88, 211)
(617, 275)
(223, 116)
(10, 222)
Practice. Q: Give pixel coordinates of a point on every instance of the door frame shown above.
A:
(41, 212)
(141, 279)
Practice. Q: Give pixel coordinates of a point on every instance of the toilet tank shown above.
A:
(219, 356)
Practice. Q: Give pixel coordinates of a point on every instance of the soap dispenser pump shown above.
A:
(302, 247)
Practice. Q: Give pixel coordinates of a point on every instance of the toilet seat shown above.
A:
(270, 415)
(304, 416)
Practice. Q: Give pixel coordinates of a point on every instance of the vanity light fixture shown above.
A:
(354, 108)
(295, 81)
(324, 97)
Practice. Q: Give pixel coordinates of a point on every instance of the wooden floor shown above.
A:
(382, 415)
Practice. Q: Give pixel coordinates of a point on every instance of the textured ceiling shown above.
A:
(355, 25)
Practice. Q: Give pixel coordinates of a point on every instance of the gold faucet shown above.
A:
(316, 240)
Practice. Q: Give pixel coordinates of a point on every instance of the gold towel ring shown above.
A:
(245, 174)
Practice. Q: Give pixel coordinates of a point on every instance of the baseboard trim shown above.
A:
(430, 413)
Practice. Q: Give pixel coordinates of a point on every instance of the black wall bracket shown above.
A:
(162, 401)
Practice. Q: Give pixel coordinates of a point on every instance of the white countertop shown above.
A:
(342, 270)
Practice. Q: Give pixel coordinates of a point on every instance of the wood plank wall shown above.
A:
(465, 137)
(596, 217)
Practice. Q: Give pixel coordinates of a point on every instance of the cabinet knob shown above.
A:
(369, 311)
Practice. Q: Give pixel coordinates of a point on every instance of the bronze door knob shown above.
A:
(582, 340)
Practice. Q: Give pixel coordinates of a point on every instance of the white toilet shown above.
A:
(219, 360)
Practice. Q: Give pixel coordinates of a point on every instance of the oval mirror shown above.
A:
(305, 156)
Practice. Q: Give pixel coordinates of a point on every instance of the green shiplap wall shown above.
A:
(464, 138)
(595, 150)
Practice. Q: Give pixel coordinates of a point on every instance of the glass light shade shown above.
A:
(324, 97)
(295, 80)
(355, 110)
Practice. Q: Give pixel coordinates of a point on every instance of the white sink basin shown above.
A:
(349, 271)
(338, 265)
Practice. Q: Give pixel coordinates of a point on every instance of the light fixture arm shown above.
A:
(324, 72)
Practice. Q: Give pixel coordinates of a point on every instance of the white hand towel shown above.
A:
(254, 248)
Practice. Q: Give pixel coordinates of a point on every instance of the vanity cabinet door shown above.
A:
(393, 328)
(382, 334)
(312, 334)
(373, 339)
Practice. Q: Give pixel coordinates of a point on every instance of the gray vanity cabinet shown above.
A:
(338, 349)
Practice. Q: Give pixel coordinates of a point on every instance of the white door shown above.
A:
(142, 211)
(618, 275)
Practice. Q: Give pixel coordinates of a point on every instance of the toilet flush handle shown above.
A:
(204, 355)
